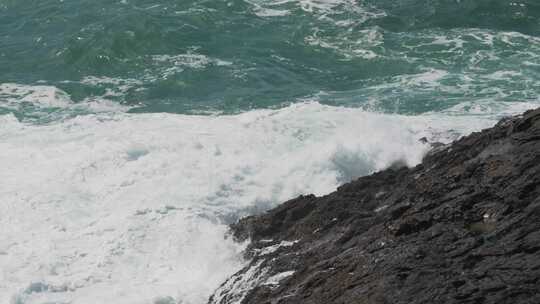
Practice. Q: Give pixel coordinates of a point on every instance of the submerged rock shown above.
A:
(462, 227)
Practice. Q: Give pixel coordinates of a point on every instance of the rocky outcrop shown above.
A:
(462, 227)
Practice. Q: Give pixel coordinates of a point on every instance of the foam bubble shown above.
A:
(177, 63)
(132, 208)
(490, 108)
(323, 9)
(44, 99)
(39, 95)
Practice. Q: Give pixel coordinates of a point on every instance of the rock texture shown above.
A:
(462, 227)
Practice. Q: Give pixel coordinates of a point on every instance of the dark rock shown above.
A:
(462, 227)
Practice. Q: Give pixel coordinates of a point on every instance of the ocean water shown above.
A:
(132, 132)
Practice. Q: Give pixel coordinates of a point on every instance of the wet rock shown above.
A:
(462, 227)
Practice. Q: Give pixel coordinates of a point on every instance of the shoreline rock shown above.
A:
(461, 227)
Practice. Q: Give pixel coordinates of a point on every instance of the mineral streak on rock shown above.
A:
(462, 227)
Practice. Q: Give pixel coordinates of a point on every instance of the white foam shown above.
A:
(235, 289)
(347, 14)
(490, 108)
(322, 9)
(348, 47)
(117, 86)
(331, 6)
(127, 208)
(503, 75)
(274, 248)
(430, 78)
(14, 96)
(310, 6)
(195, 61)
(39, 95)
(275, 279)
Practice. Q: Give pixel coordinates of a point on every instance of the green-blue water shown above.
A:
(406, 56)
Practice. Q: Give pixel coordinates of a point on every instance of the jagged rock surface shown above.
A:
(462, 227)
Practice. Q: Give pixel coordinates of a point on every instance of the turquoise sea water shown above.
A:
(409, 56)
(132, 132)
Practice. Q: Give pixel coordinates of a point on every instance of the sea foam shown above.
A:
(132, 208)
